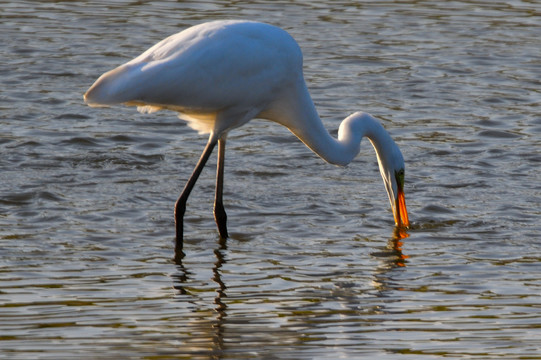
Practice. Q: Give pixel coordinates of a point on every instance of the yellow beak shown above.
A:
(401, 213)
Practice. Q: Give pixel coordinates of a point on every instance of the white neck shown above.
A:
(296, 111)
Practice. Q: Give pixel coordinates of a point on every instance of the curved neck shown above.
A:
(343, 150)
(296, 111)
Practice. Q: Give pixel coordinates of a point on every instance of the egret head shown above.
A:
(398, 200)
(390, 159)
(392, 169)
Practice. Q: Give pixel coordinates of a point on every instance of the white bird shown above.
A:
(221, 74)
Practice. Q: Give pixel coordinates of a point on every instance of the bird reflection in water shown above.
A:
(212, 323)
(221, 307)
(395, 243)
(216, 326)
(392, 254)
(392, 257)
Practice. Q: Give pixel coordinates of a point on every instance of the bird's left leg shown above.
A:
(180, 205)
(219, 211)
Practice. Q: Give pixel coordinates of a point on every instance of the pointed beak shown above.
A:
(400, 212)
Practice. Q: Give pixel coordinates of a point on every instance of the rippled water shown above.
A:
(312, 268)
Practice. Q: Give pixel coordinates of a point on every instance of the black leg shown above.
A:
(219, 210)
(180, 206)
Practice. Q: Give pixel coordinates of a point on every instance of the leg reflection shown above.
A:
(221, 306)
(183, 274)
(209, 323)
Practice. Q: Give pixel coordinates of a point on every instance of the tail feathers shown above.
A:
(113, 87)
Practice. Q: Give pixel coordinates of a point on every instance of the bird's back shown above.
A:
(207, 69)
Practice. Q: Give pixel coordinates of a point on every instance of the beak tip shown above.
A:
(401, 215)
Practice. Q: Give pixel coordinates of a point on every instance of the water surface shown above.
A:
(313, 268)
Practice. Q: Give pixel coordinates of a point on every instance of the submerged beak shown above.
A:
(400, 212)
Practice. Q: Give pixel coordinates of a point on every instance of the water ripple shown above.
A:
(313, 268)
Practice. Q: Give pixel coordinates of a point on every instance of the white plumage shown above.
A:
(219, 75)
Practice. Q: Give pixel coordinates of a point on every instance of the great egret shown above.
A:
(221, 74)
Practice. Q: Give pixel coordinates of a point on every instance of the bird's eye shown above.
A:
(400, 176)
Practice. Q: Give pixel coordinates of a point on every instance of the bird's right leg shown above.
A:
(180, 205)
(219, 211)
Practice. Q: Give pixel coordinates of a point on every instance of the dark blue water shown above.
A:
(313, 268)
